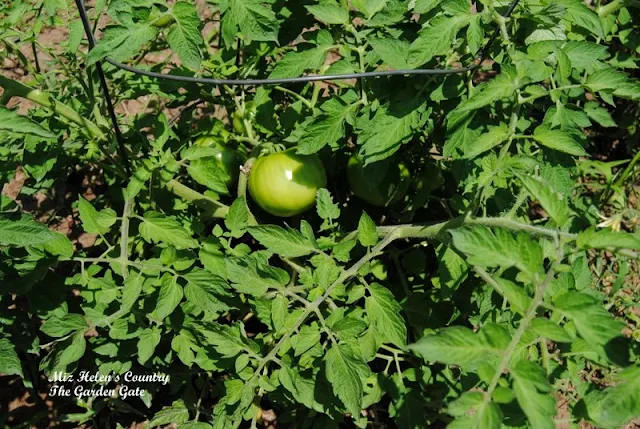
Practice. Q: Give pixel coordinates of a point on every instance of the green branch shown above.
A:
(315, 305)
(616, 5)
(609, 191)
(124, 236)
(436, 229)
(524, 325)
(296, 96)
(139, 265)
(17, 89)
(211, 207)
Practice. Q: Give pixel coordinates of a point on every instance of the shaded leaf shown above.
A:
(12, 122)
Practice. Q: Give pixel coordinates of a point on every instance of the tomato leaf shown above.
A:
(330, 13)
(328, 127)
(158, 228)
(492, 138)
(250, 19)
(184, 37)
(251, 276)
(344, 367)
(147, 343)
(606, 78)
(177, 413)
(23, 231)
(238, 217)
(95, 222)
(204, 289)
(502, 86)
(581, 15)
(471, 411)
(436, 39)
(607, 239)
(384, 312)
(554, 205)
(460, 346)
(168, 299)
(558, 140)
(369, 7)
(391, 51)
(121, 43)
(9, 360)
(381, 136)
(367, 233)
(492, 248)
(325, 206)
(532, 389)
(12, 122)
(294, 64)
(285, 242)
(599, 114)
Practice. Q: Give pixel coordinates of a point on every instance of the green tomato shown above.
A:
(238, 123)
(238, 117)
(227, 159)
(250, 109)
(285, 183)
(429, 180)
(380, 184)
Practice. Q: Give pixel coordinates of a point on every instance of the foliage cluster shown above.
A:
(489, 294)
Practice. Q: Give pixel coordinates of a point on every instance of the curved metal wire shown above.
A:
(480, 57)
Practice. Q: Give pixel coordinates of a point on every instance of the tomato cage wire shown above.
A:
(475, 64)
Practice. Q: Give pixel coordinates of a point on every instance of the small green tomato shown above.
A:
(285, 183)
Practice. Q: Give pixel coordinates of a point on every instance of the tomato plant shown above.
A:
(173, 254)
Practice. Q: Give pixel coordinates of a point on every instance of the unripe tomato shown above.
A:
(238, 124)
(227, 159)
(285, 183)
(239, 116)
(429, 180)
(380, 184)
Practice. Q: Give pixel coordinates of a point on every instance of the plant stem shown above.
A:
(620, 180)
(488, 278)
(436, 229)
(200, 397)
(545, 355)
(432, 231)
(524, 325)
(315, 305)
(35, 95)
(610, 8)
(295, 95)
(242, 186)
(15, 88)
(138, 265)
(251, 141)
(124, 236)
(401, 274)
(514, 225)
(521, 198)
(513, 120)
(522, 100)
(213, 208)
